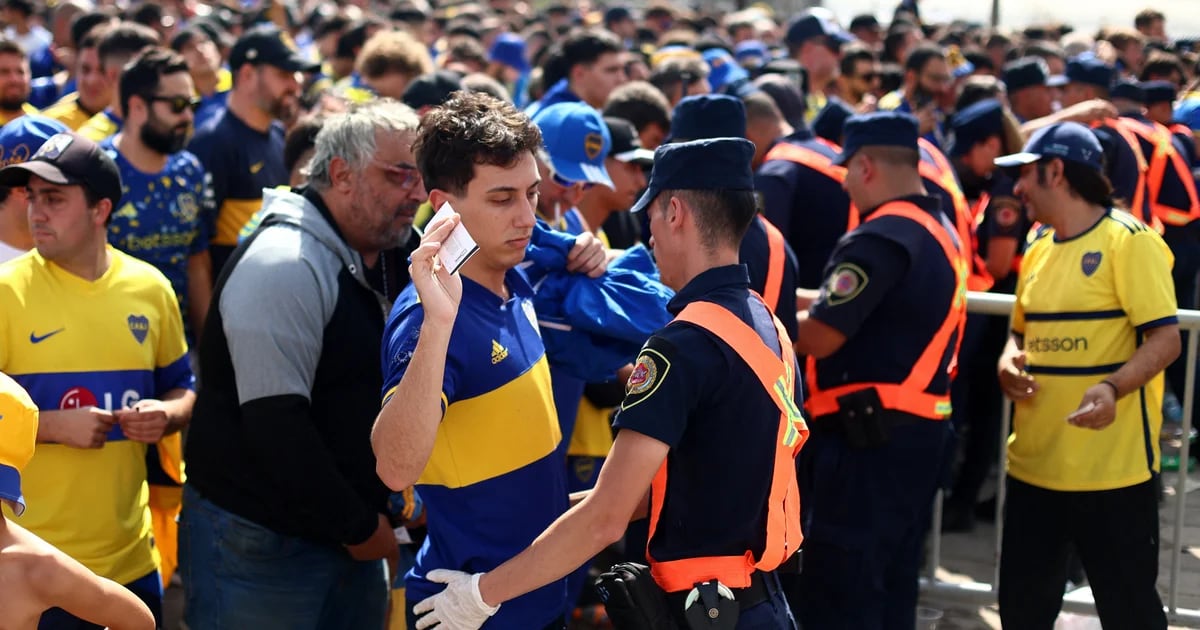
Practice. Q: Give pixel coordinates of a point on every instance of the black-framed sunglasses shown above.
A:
(177, 104)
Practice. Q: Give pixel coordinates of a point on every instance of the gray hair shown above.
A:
(351, 136)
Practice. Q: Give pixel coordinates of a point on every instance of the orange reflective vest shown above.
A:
(909, 396)
(817, 162)
(776, 261)
(1164, 154)
(783, 537)
(940, 172)
(1139, 206)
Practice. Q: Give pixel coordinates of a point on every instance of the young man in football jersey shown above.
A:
(95, 336)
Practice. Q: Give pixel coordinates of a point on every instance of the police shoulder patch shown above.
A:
(845, 283)
(649, 371)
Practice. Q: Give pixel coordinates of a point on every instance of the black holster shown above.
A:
(863, 419)
(633, 600)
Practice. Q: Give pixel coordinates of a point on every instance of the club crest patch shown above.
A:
(593, 144)
(845, 283)
(54, 147)
(1090, 262)
(1007, 216)
(139, 325)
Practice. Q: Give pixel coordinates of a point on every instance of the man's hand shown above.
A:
(927, 119)
(588, 256)
(458, 607)
(1014, 380)
(79, 428)
(380, 546)
(1097, 410)
(146, 422)
(440, 291)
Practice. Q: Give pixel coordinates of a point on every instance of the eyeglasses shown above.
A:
(869, 76)
(402, 176)
(177, 104)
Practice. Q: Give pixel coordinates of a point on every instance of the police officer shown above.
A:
(896, 282)
(802, 195)
(708, 426)
(768, 257)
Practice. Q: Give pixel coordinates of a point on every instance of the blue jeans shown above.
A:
(238, 574)
(148, 588)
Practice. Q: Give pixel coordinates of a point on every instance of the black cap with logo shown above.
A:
(68, 159)
(266, 44)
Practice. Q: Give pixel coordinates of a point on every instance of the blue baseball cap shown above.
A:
(976, 123)
(710, 164)
(723, 69)
(708, 116)
(877, 129)
(1090, 71)
(577, 141)
(1068, 141)
(751, 53)
(22, 137)
(509, 49)
(1187, 111)
(812, 24)
(1159, 92)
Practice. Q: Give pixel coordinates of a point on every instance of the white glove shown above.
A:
(458, 607)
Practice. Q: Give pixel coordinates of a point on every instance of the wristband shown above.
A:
(1116, 392)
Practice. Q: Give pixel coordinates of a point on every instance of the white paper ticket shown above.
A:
(458, 247)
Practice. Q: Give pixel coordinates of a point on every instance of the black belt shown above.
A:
(753, 595)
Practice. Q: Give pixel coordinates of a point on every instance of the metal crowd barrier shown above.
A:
(1000, 305)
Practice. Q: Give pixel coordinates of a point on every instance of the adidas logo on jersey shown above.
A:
(499, 352)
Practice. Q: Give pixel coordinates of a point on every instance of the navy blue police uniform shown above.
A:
(692, 389)
(721, 116)
(879, 435)
(806, 204)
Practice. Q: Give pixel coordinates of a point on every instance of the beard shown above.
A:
(165, 141)
(12, 103)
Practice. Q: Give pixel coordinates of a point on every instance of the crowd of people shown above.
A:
(712, 332)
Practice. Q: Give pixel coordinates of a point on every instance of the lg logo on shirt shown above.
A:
(82, 398)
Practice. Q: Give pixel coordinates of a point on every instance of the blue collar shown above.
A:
(729, 276)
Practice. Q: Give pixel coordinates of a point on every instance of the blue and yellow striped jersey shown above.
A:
(494, 481)
(71, 344)
(1082, 306)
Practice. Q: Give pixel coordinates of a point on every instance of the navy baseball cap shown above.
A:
(812, 24)
(877, 129)
(68, 159)
(509, 49)
(1026, 72)
(708, 116)
(1090, 71)
(711, 164)
(577, 141)
(831, 120)
(1156, 92)
(266, 44)
(1068, 141)
(1128, 90)
(431, 90)
(22, 137)
(976, 123)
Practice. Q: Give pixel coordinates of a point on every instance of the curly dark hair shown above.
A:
(471, 128)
